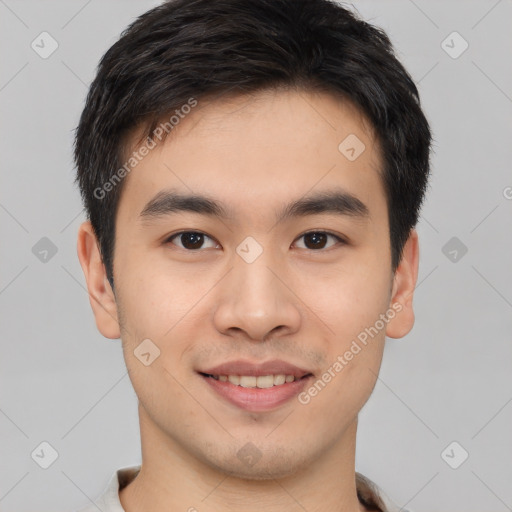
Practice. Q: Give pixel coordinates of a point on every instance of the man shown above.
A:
(252, 171)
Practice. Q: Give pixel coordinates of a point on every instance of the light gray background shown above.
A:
(448, 380)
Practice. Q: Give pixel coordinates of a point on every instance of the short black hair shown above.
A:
(194, 49)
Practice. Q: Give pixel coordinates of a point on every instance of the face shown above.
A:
(255, 278)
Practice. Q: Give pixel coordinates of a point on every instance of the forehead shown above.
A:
(255, 150)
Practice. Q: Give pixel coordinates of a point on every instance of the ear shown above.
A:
(404, 282)
(101, 296)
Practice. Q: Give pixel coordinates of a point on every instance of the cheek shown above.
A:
(349, 304)
(339, 393)
(159, 306)
(156, 298)
(348, 298)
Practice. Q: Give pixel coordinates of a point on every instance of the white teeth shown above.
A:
(248, 381)
(280, 379)
(251, 381)
(234, 379)
(265, 381)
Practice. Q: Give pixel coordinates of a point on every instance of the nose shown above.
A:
(258, 299)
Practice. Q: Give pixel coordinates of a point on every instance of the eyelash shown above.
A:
(340, 240)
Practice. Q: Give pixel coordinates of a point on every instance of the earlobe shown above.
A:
(404, 283)
(101, 296)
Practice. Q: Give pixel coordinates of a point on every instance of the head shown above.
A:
(252, 172)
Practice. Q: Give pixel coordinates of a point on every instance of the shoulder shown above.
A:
(109, 499)
(373, 497)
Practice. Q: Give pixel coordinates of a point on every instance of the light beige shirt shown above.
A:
(109, 500)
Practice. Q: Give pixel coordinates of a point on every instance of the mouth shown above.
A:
(260, 381)
(253, 393)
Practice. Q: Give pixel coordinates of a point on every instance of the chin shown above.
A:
(249, 464)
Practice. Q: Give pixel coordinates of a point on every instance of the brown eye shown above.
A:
(190, 240)
(318, 239)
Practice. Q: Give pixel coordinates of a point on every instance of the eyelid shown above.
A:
(178, 233)
(341, 239)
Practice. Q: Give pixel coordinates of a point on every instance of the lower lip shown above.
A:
(257, 399)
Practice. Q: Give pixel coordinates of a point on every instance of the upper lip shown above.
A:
(244, 367)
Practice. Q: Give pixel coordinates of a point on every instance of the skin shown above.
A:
(301, 304)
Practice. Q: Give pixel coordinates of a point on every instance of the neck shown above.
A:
(171, 478)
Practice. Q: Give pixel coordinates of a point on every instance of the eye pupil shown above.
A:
(318, 239)
(195, 240)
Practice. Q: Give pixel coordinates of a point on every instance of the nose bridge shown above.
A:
(255, 300)
(256, 284)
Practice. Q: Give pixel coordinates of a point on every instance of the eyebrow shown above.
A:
(337, 201)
